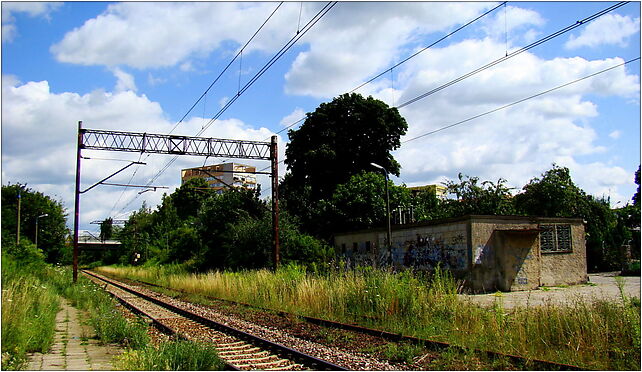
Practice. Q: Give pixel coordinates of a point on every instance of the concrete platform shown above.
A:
(74, 348)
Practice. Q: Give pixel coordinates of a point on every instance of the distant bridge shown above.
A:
(91, 243)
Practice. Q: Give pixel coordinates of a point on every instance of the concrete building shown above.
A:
(219, 176)
(488, 253)
(438, 190)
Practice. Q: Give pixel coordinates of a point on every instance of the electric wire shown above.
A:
(389, 69)
(276, 57)
(202, 97)
(515, 53)
(273, 60)
(520, 101)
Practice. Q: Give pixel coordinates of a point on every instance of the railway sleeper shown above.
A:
(250, 350)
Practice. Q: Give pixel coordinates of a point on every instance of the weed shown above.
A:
(172, 356)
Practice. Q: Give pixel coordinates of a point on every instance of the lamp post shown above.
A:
(42, 215)
(387, 206)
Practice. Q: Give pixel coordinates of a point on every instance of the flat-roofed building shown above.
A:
(222, 176)
(438, 190)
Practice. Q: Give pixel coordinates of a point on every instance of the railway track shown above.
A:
(526, 363)
(239, 349)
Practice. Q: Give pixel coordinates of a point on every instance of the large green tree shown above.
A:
(52, 229)
(340, 139)
(473, 197)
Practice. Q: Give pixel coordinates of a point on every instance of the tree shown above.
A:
(552, 195)
(472, 198)
(360, 203)
(340, 139)
(106, 229)
(52, 229)
(555, 195)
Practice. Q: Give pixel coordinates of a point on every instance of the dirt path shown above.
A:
(73, 348)
(600, 286)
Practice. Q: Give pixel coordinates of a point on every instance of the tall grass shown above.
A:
(172, 356)
(29, 308)
(593, 334)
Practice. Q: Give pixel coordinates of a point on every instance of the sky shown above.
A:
(140, 67)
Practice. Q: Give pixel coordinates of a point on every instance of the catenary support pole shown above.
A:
(275, 201)
(77, 203)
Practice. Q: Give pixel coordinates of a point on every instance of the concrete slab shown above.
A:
(74, 349)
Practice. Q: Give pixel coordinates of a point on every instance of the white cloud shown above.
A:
(517, 143)
(608, 29)
(508, 21)
(144, 35)
(31, 8)
(46, 162)
(615, 134)
(124, 81)
(358, 40)
(294, 116)
(153, 81)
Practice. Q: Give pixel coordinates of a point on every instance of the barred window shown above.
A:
(555, 238)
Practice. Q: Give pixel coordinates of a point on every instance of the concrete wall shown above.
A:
(488, 252)
(566, 268)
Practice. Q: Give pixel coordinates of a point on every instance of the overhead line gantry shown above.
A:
(94, 139)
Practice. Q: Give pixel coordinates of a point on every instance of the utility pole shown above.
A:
(77, 203)
(275, 202)
(18, 232)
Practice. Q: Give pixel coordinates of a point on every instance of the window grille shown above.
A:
(555, 238)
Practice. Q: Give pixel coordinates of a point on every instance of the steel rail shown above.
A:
(280, 350)
(431, 344)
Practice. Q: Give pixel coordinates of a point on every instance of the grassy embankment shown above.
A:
(592, 334)
(30, 301)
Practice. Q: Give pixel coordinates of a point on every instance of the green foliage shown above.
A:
(361, 203)
(29, 308)
(106, 229)
(487, 198)
(593, 334)
(340, 139)
(172, 356)
(52, 229)
(552, 195)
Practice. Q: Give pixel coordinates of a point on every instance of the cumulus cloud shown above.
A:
(124, 81)
(31, 8)
(138, 35)
(46, 162)
(294, 116)
(611, 29)
(553, 128)
(358, 40)
(508, 22)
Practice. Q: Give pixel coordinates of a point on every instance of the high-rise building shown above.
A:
(222, 176)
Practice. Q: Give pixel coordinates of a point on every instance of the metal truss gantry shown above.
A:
(93, 139)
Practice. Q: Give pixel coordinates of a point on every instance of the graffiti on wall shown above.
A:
(428, 250)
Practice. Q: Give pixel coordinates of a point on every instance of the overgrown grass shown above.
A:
(172, 356)
(29, 308)
(592, 334)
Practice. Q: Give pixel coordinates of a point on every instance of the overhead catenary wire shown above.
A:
(521, 100)
(202, 97)
(389, 69)
(273, 60)
(515, 53)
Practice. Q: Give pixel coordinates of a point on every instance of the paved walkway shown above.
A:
(601, 286)
(74, 349)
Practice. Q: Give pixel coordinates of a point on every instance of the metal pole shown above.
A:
(37, 231)
(77, 203)
(388, 211)
(275, 201)
(18, 232)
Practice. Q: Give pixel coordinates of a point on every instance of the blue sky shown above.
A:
(141, 66)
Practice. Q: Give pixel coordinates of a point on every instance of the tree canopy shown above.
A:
(52, 229)
(340, 139)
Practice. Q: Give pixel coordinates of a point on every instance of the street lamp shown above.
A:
(387, 205)
(42, 215)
